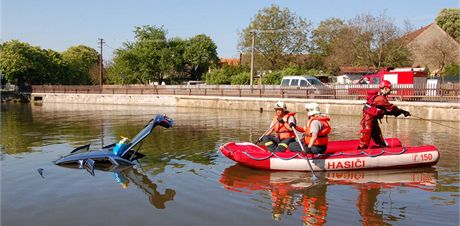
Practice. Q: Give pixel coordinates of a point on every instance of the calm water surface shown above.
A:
(184, 180)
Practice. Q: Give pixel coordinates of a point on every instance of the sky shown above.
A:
(60, 24)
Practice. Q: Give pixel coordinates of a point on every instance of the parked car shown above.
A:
(300, 81)
(306, 82)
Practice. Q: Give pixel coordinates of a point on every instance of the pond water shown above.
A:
(185, 180)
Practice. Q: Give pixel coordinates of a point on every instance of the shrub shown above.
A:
(272, 78)
(242, 78)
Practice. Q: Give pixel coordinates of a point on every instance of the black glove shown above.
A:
(280, 120)
(292, 124)
(396, 113)
(406, 113)
(306, 150)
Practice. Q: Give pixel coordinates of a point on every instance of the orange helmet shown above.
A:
(385, 83)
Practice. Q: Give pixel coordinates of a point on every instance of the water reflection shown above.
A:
(134, 176)
(290, 191)
(126, 176)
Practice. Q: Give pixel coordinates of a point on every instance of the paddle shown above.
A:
(303, 150)
(265, 133)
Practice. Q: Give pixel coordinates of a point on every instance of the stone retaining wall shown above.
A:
(426, 110)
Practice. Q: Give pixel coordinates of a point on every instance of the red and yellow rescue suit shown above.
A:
(376, 106)
(283, 133)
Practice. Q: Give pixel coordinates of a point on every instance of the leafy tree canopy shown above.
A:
(200, 53)
(83, 61)
(152, 57)
(449, 21)
(368, 40)
(23, 64)
(279, 34)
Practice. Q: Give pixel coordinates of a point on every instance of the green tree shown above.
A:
(18, 62)
(139, 61)
(123, 68)
(151, 57)
(272, 78)
(325, 34)
(200, 53)
(172, 61)
(82, 61)
(451, 73)
(225, 74)
(56, 69)
(24, 64)
(449, 21)
(293, 71)
(150, 41)
(280, 35)
(323, 39)
(242, 78)
(452, 69)
(217, 77)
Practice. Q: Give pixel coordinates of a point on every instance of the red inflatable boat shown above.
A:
(340, 155)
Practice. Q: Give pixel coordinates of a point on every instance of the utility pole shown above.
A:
(252, 57)
(101, 64)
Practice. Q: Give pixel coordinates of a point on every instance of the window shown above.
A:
(303, 83)
(285, 82)
(314, 81)
(375, 80)
(295, 82)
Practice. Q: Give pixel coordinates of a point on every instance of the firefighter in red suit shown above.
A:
(377, 105)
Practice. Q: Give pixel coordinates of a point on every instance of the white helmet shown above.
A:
(312, 108)
(280, 105)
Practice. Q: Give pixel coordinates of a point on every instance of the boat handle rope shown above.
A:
(269, 156)
(258, 159)
(383, 151)
(287, 158)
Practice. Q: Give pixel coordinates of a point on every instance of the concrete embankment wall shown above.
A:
(426, 110)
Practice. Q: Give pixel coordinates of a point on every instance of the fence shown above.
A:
(428, 93)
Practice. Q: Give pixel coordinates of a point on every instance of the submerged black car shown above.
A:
(107, 156)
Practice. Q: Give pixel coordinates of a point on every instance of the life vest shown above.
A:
(370, 108)
(322, 134)
(281, 129)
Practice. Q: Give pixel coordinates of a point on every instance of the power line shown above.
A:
(110, 47)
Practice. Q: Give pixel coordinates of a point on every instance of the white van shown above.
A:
(300, 81)
(309, 82)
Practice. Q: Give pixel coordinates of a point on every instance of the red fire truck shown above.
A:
(405, 81)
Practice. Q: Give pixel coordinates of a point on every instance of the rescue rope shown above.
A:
(383, 151)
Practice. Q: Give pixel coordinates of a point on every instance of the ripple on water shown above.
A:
(184, 179)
